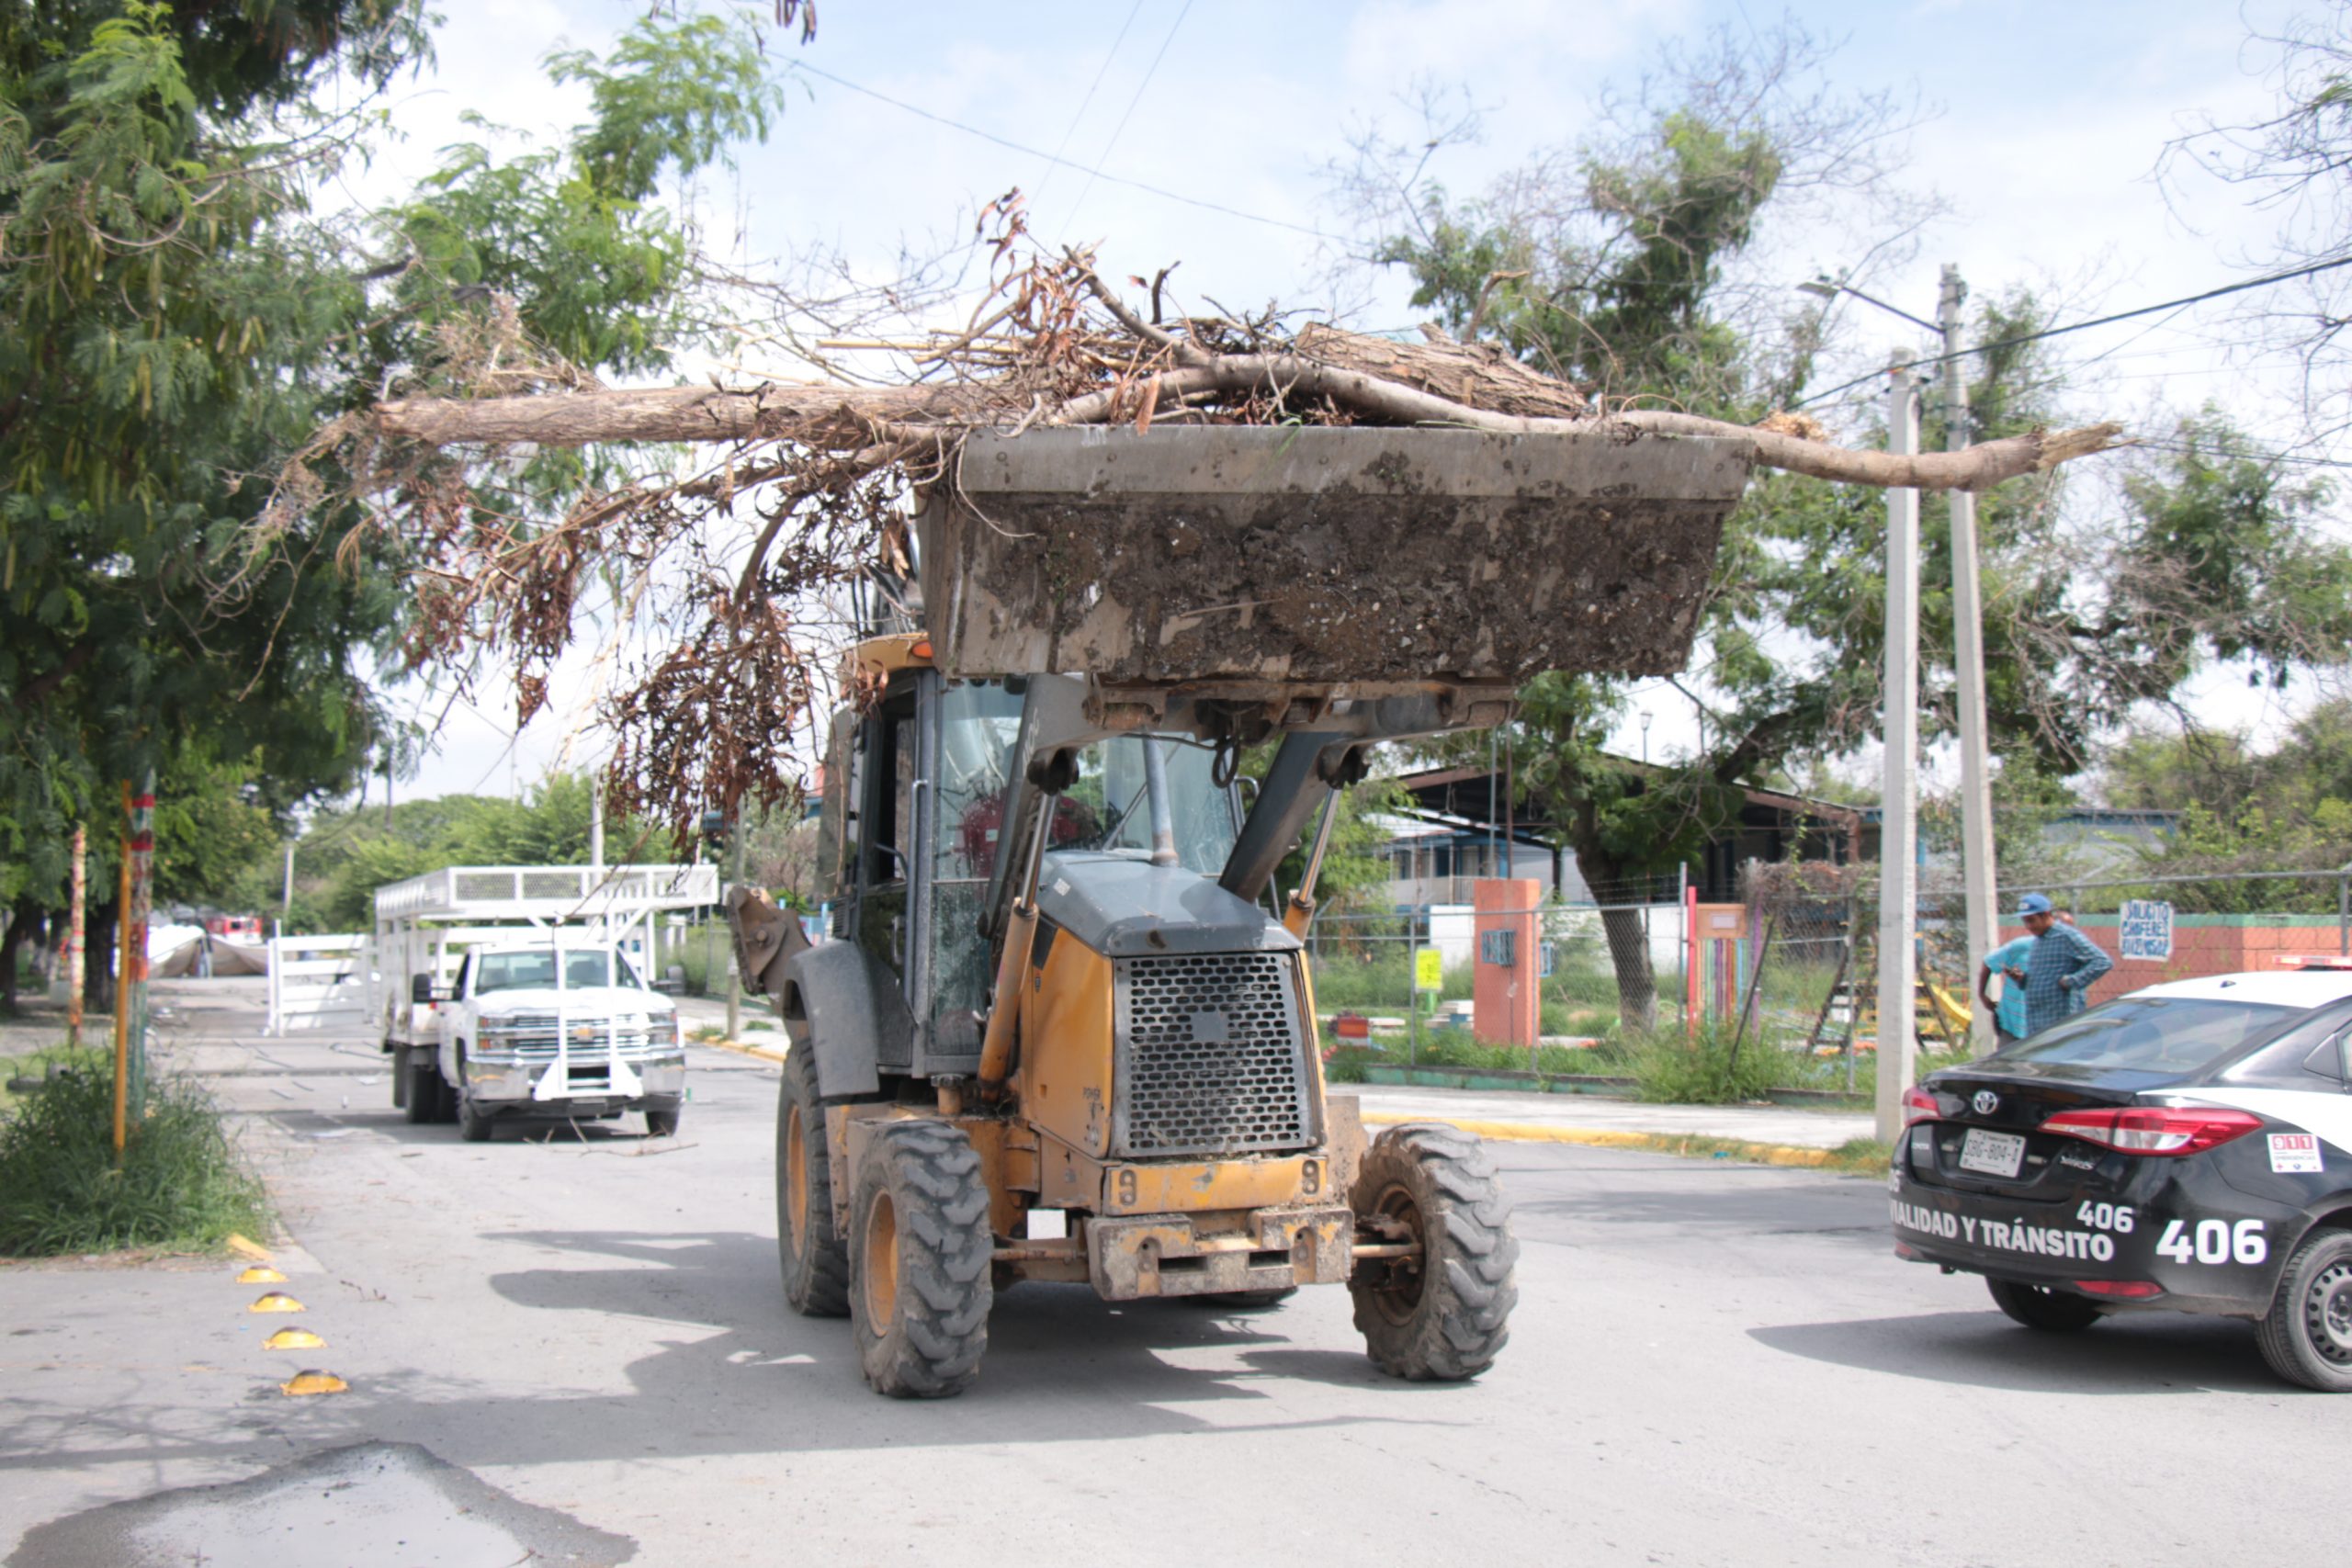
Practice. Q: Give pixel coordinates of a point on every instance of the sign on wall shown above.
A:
(1428, 970)
(2145, 928)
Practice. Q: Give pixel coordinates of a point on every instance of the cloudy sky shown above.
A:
(2040, 130)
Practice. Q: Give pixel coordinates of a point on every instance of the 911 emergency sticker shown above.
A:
(2295, 1153)
(2214, 1242)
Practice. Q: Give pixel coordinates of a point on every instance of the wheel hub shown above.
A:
(880, 1264)
(1398, 1292)
(2328, 1311)
(796, 1179)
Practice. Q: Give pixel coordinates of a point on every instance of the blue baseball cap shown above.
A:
(2034, 904)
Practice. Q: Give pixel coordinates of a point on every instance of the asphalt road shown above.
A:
(577, 1347)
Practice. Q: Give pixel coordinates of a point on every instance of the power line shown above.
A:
(1108, 55)
(1119, 130)
(1028, 152)
(2021, 338)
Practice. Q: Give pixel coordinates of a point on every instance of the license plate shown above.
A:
(1992, 1154)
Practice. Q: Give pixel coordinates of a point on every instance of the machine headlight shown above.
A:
(662, 1029)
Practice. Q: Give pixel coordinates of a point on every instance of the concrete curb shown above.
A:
(1611, 1138)
(763, 1053)
(1521, 1132)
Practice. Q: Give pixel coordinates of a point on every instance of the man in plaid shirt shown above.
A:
(2059, 971)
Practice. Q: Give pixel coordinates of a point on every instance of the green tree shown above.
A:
(1617, 268)
(177, 321)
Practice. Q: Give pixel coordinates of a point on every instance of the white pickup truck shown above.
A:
(551, 1026)
(509, 992)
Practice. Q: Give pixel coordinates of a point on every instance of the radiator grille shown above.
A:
(1212, 1060)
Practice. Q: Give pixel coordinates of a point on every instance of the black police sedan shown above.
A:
(2187, 1147)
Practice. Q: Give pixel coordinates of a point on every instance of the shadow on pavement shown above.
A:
(2150, 1353)
(745, 1376)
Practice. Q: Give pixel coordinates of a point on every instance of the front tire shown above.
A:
(661, 1122)
(475, 1124)
(2307, 1335)
(920, 1255)
(1443, 1315)
(815, 1258)
(2041, 1308)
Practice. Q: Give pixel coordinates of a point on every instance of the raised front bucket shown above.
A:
(1341, 556)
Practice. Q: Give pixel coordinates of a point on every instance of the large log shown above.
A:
(824, 413)
(1476, 374)
(672, 414)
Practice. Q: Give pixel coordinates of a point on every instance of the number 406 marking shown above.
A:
(2214, 1241)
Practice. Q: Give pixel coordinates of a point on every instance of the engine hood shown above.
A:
(1123, 907)
(577, 1001)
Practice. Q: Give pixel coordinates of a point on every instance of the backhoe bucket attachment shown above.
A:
(1269, 559)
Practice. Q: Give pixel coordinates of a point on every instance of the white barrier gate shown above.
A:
(320, 982)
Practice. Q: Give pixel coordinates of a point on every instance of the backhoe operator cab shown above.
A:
(1057, 1036)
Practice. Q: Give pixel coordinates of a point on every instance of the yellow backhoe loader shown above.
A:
(1059, 1031)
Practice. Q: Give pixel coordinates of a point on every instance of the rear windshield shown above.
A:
(2152, 1034)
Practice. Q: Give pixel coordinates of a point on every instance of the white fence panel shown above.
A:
(320, 982)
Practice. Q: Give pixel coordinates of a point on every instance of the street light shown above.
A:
(1827, 287)
(1646, 737)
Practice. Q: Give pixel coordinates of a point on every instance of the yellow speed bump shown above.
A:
(261, 1274)
(313, 1381)
(244, 1248)
(276, 1300)
(293, 1339)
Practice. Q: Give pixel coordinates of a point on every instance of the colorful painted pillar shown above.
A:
(1506, 995)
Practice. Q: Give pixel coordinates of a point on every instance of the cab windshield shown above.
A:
(535, 969)
(2150, 1034)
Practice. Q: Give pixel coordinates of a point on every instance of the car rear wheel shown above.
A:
(2307, 1335)
(2039, 1306)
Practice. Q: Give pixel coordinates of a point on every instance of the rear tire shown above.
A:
(815, 1258)
(663, 1123)
(1442, 1316)
(2307, 1335)
(2041, 1308)
(422, 1100)
(920, 1256)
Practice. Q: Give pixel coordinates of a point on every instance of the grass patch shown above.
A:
(1856, 1156)
(181, 1187)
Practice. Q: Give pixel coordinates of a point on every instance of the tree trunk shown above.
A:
(10, 941)
(97, 971)
(834, 415)
(1629, 951)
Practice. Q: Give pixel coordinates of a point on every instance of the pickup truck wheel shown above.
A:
(1441, 1314)
(920, 1256)
(661, 1123)
(421, 1103)
(815, 1258)
(474, 1123)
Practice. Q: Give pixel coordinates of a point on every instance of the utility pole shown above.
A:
(1977, 869)
(77, 937)
(734, 974)
(1898, 870)
(597, 825)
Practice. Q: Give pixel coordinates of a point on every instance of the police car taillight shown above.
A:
(1920, 1105)
(2129, 1290)
(2154, 1128)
